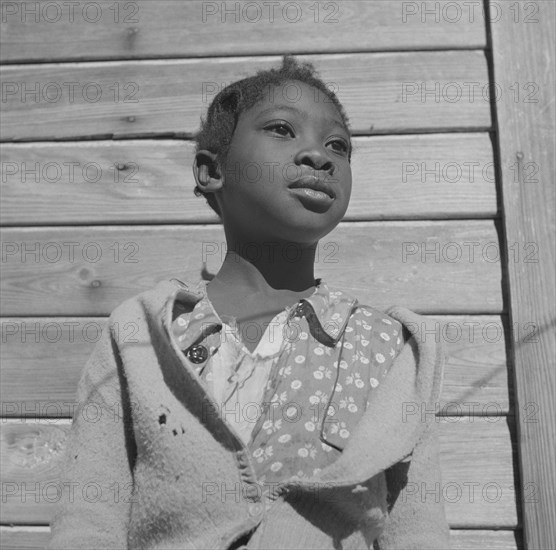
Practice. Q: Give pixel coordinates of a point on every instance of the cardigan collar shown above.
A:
(330, 307)
(414, 379)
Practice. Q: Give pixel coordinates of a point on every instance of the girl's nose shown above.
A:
(315, 158)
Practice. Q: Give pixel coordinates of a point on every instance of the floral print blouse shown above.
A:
(295, 400)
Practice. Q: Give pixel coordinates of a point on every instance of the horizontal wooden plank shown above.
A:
(476, 375)
(431, 267)
(462, 539)
(35, 383)
(155, 28)
(33, 538)
(382, 93)
(150, 181)
(476, 462)
(25, 537)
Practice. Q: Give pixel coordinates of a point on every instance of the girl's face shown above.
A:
(294, 133)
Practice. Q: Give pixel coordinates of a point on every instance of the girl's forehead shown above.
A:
(297, 98)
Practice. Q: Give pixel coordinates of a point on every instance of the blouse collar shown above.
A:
(330, 307)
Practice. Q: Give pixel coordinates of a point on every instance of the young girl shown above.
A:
(264, 408)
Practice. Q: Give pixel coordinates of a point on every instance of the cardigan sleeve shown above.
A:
(416, 519)
(96, 477)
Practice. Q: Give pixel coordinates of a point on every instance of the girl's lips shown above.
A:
(315, 200)
(314, 183)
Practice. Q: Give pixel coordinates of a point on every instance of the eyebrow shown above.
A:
(296, 111)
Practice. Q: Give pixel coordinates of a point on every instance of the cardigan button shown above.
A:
(256, 509)
(197, 353)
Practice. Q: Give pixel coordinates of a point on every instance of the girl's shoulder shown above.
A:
(157, 298)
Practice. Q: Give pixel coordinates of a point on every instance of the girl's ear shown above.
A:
(207, 172)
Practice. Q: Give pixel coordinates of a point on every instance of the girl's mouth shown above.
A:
(312, 199)
(314, 183)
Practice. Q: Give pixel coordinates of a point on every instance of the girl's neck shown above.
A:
(268, 268)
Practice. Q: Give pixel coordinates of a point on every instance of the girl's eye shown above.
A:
(339, 145)
(280, 128)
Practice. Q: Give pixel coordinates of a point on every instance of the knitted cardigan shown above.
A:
(151, 464)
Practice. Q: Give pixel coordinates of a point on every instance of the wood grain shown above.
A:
(476, 462)
(382, 93)
(35, 383)
(88, 271)
(186, 29)
(523, 63)
(485, 540)
(476, 376)
(33, 538)
(151, 181)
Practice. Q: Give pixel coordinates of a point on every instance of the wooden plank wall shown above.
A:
(526, 129)
(98, 114)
